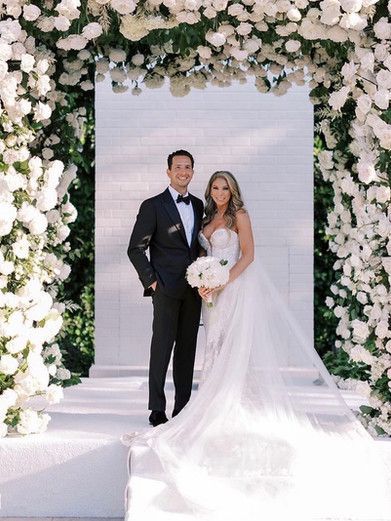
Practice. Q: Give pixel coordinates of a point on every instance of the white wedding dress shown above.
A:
(267, 437)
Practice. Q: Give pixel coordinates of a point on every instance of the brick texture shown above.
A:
(266, 141)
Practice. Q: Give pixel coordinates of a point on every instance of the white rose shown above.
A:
(366, 171)
(360, 330)
(38, 224)
(351, 6)
(54, 394)
(204, 52)
(292, 45)
(294, 14)
(383, 78)
(27, 63)
(239, 54)
(220, 5)
(41, 308)
(62, 23)
(29, 422)
(92, 30)
(382, 330)
(215, 38)
(138, 59)
(31, 12)
(21, 248)
(8, 364)
(364, 103)
(74, 41)
(16, 345)
(123, 6)
(42, 111)
(338, 98)
(244, 29)
(63, 374)
(382, 29)
(383, 194)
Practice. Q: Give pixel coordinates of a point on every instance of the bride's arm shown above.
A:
(246, 240)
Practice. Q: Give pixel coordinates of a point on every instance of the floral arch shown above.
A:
(50, 56)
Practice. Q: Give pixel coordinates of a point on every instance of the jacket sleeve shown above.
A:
(140, 238)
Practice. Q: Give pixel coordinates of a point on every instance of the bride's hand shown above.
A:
(203, 292)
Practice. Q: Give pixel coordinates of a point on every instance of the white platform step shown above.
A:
(78, 467)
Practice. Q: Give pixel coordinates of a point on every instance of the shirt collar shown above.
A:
(175, 194)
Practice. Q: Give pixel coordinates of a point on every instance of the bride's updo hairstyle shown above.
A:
(235, 203)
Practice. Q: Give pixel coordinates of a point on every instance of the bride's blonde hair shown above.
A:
(235, 203)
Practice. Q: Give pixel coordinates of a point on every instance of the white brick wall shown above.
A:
(266, 141)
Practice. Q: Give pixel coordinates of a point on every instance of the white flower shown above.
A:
(382, 29)
(294, 14)
(8, 364)
(74, 41)
(29, 422)
(42, 111)
(46, 199)
(54, 394)
(62, 23)
(382, 330)
(17, 344)
(63, 374)
(38, 224)
(338, 98)
(138, 59)
(92, 30)
(360, 331)
(123, 6)
(217, 39)
(117, 55)
(27, 63)
(31, 12)
(41, 308)
(366, 171)
(10, 30)
(292, 45)
(244, 28)
(21, 248)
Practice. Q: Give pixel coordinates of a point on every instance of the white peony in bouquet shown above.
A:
(208, 272)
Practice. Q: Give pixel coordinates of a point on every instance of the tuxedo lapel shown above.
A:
(170, 207)
(197, 220)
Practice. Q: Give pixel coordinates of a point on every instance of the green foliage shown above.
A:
(339, 363)
(77, 337)
(325, 322)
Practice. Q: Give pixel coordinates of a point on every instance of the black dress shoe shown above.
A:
(157, 417)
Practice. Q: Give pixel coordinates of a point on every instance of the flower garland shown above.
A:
(340, 48)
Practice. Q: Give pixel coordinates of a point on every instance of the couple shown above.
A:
(170, 226)
(267, 435)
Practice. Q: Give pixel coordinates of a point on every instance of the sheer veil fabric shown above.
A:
(267, 436)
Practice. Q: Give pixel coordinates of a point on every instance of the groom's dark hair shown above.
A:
(179, 153)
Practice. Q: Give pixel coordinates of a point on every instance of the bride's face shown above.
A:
(220, 192)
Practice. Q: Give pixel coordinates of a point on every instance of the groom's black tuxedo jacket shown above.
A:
(159, 227)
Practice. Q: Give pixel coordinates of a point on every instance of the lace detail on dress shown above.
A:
(223, 244)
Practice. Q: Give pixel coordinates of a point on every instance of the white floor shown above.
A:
(78, 468)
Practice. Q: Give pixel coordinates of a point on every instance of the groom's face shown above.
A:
(180, 173)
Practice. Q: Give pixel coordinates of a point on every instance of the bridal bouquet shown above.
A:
(208, 272)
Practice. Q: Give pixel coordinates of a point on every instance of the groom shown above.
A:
(168, 224)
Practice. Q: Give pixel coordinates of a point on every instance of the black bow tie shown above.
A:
(183, 199)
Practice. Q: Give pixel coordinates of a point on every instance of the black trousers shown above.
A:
(175, 321)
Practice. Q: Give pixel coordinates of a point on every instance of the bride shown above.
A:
(267, 436)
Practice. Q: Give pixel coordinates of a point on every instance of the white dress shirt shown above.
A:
(186, 212)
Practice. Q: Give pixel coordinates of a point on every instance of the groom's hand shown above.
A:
(153, 286)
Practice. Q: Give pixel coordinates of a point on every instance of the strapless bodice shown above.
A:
(223, 244)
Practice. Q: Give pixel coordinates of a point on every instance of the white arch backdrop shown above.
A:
(341, 48)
